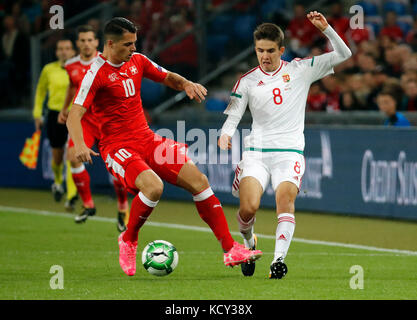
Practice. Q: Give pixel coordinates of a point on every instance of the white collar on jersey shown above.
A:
(114, 65)
(272, 73)
(110, 63)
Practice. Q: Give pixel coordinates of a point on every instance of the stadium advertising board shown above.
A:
(370, 172)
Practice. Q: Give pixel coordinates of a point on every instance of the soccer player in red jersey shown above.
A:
(77, 67)
(136, 155)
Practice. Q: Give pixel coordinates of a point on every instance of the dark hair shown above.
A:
(269, 31)
(63, 39)
(117, 26)
(86, 28)
(392, 92)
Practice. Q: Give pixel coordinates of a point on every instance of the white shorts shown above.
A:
(263, 166)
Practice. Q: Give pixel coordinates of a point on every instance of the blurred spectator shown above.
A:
(387, 103)
(360, 35)
(406, 77)
(242, 6)
(97, 29)
(182, 56)
(301, 32)
(41, 22)
(391, 29)
(16, 60)
(338, 21)
(411, 63)
(393, 62)
(357, 84)
(409, 101)
(375, 80)
(349, 102)
(411, 36)
(153, 36)
(366, 62)
(142, 14)
(331, 86)
(122, 8)
(316, 100)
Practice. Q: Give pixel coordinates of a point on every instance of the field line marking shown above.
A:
(205, 229)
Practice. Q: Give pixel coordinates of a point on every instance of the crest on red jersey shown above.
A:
(113, 77)
(133, 70)
(286, 77)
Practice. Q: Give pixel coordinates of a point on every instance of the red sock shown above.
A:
(121, 194)
(82, 182)
(211, 211)
(140, 210)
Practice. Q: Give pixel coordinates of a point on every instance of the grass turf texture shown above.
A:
(31, 244)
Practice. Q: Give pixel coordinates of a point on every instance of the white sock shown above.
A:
(284, 233)
(246, 230)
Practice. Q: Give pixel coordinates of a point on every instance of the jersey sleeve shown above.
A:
(153, 71)
(321, 66)
(236, 107)
(313, 68)
(88, 89)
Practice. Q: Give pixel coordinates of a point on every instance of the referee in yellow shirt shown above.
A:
(53, 82)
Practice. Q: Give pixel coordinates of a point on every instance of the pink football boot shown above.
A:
(127, 255)
(239, 254)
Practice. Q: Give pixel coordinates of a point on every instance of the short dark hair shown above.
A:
(117, 26)
(63, 39)
(269, 31)
(390, 91)
(86, 28)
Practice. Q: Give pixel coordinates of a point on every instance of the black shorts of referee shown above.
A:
(57, 133)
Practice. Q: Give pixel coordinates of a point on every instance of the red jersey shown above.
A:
(77, 69)
(113, 91)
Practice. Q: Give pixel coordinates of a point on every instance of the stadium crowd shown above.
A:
(384, 50)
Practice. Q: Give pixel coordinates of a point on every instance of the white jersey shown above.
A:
(277, 101)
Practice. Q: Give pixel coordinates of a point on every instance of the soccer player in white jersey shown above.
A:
(276, 92)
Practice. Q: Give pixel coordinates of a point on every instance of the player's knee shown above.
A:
(248, 209)
(155, 191)
(151, 186)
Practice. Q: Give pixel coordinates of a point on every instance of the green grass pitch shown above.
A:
(30, 244)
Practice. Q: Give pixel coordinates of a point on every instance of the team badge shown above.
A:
(286, 77)
(113, 77)
(133, 70)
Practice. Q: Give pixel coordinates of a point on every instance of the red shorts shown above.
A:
(126, 161)
(91, 134)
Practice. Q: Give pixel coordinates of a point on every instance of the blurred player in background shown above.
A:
(276, 92)
(132, 151)
(53, 82)
(77, 67)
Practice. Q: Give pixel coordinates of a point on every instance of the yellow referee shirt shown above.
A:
(53, 80)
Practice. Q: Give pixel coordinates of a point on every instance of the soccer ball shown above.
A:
(160, 258)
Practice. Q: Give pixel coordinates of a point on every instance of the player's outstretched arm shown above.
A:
(82, 152)
(341, 51)
(193, 90)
